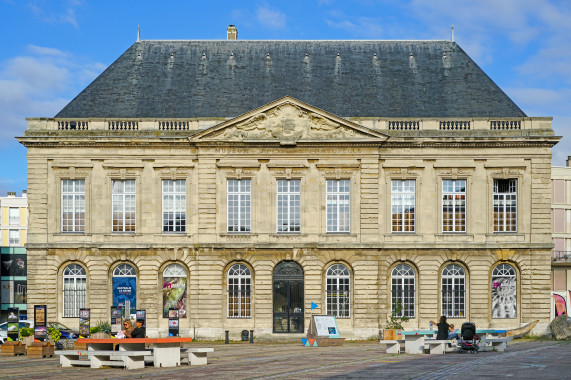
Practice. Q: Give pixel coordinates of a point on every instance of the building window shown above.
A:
(239, 205)
(454, 205)
(174, 290)
(174, 205)
(239, 288)
(124, 206)
(289, 205)
(73, 205)
(338, 205)
(504, 292)
(505, 205)
(14, 237)
(453, 291)
(338, 291)
(403, 193)
(14, 216)
(402, 291)
(74, 290)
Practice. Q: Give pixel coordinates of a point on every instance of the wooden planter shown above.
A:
(27, 340)
(391, 334)
(12, 349)
(100, 335)
(79, 345)
(40, 350)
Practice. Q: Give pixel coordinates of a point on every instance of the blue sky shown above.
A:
(51, 50)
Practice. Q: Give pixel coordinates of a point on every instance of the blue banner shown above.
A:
(125, 289)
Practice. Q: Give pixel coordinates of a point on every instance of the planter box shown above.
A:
(78, 345)
(391, 334)
(40, 350)
(12, 349)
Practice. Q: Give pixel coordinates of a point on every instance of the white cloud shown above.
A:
(271, 18)
(362, 27)
(39, 84)
(57, 13)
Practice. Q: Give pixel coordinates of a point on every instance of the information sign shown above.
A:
(141, 314)
(84, 322)
(116, 319)
(173, 322)
(326, 325)
(13, 319)
(40, 322)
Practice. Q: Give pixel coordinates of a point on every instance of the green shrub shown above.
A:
(103, 326)
(24, 332)
(54, 334)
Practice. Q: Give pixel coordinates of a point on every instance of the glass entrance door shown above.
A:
(288, 298)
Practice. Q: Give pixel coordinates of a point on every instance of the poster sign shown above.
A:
(174, 295)
(141, 314)
(326, 325)
(504, 297)
(13, 319)
(84, 322)
(116, 319)
(125, 288)
(13, 264)
(40, 322)
(173, 322)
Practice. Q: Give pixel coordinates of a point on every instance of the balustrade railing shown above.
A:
(454, 125)
(403, 125)
(118, 125)
(505, 124)
(561, 256)
(70, 125)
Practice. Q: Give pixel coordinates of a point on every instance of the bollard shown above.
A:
(227, 341)
(251, 336)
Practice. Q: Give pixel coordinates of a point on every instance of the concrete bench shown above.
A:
(195, 355)
(437, 347)
(71, 358)
(392, 346)
(103, 358)
(498, 344)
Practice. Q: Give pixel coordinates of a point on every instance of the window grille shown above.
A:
(454, 205)
(174, 270)
(403, 291)
(239, 291)
(338, 205)
(124, 270)
(74, 290)
(73, 205)
(288, 205)
(453, 291)
(124, 205)
(505, 205)
(239, 205)
(338, 291)
(403, 193)
(174, 205)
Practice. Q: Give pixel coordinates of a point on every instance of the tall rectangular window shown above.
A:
(403, 202)
(454, 205)
(14, 216)
(289, 205)
(73, 205)
(239, 205)
(338, 205)
(174, 205)
(505, 205)
(14, 237)
(123, 205)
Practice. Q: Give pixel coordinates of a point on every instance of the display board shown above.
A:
(116, 319)
(40, 322)
(84, 322)
(174, 295)
(125, 288)
(326, 326)
(173, 322)
(13, 323)
(141, 314)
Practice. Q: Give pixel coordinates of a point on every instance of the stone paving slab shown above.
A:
(522, 360)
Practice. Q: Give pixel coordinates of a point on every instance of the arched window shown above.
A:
(239, 288)
(125, 287)
(174, 290)
(338, 291)
(453, 291)
(504, 291)
(74, 290)
(402, 291)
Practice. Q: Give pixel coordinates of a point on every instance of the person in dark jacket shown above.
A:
(445, 331)
(139, 331)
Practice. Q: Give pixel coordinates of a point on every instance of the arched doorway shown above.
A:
(288, 298)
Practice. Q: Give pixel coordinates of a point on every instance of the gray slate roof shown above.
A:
(188, 79)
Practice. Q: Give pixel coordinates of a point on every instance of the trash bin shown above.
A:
(245, 335)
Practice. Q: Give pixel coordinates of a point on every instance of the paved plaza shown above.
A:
(523, 360)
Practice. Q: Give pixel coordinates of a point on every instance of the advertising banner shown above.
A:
(84, 322)
(13, 319)
(141, 314)
(116, 319)
(13, 265)
(173, 322)
(174, 295)
(40, 322)
(125, 288)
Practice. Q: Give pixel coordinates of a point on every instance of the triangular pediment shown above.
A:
(288, 121)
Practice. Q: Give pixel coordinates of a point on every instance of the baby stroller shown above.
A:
(469, 340)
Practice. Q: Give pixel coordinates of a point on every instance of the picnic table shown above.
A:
(414, 340)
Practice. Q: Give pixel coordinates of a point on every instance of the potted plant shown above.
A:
(101, 330)
(395, 321)
(27, 335)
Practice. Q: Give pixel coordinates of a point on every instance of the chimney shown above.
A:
(568, 162)
(232, 33)
(11, 194)
(24, 194)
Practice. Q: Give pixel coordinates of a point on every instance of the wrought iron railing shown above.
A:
(561, 256)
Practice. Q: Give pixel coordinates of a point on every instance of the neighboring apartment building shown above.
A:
(13, 232)
(561, 227)
(189, 175)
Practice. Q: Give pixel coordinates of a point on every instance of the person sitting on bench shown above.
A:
(445, 331)
(139, 331)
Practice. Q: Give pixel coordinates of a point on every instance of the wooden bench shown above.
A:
(195, 355)
(498, 344)
(392, 346)
(437, 347)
